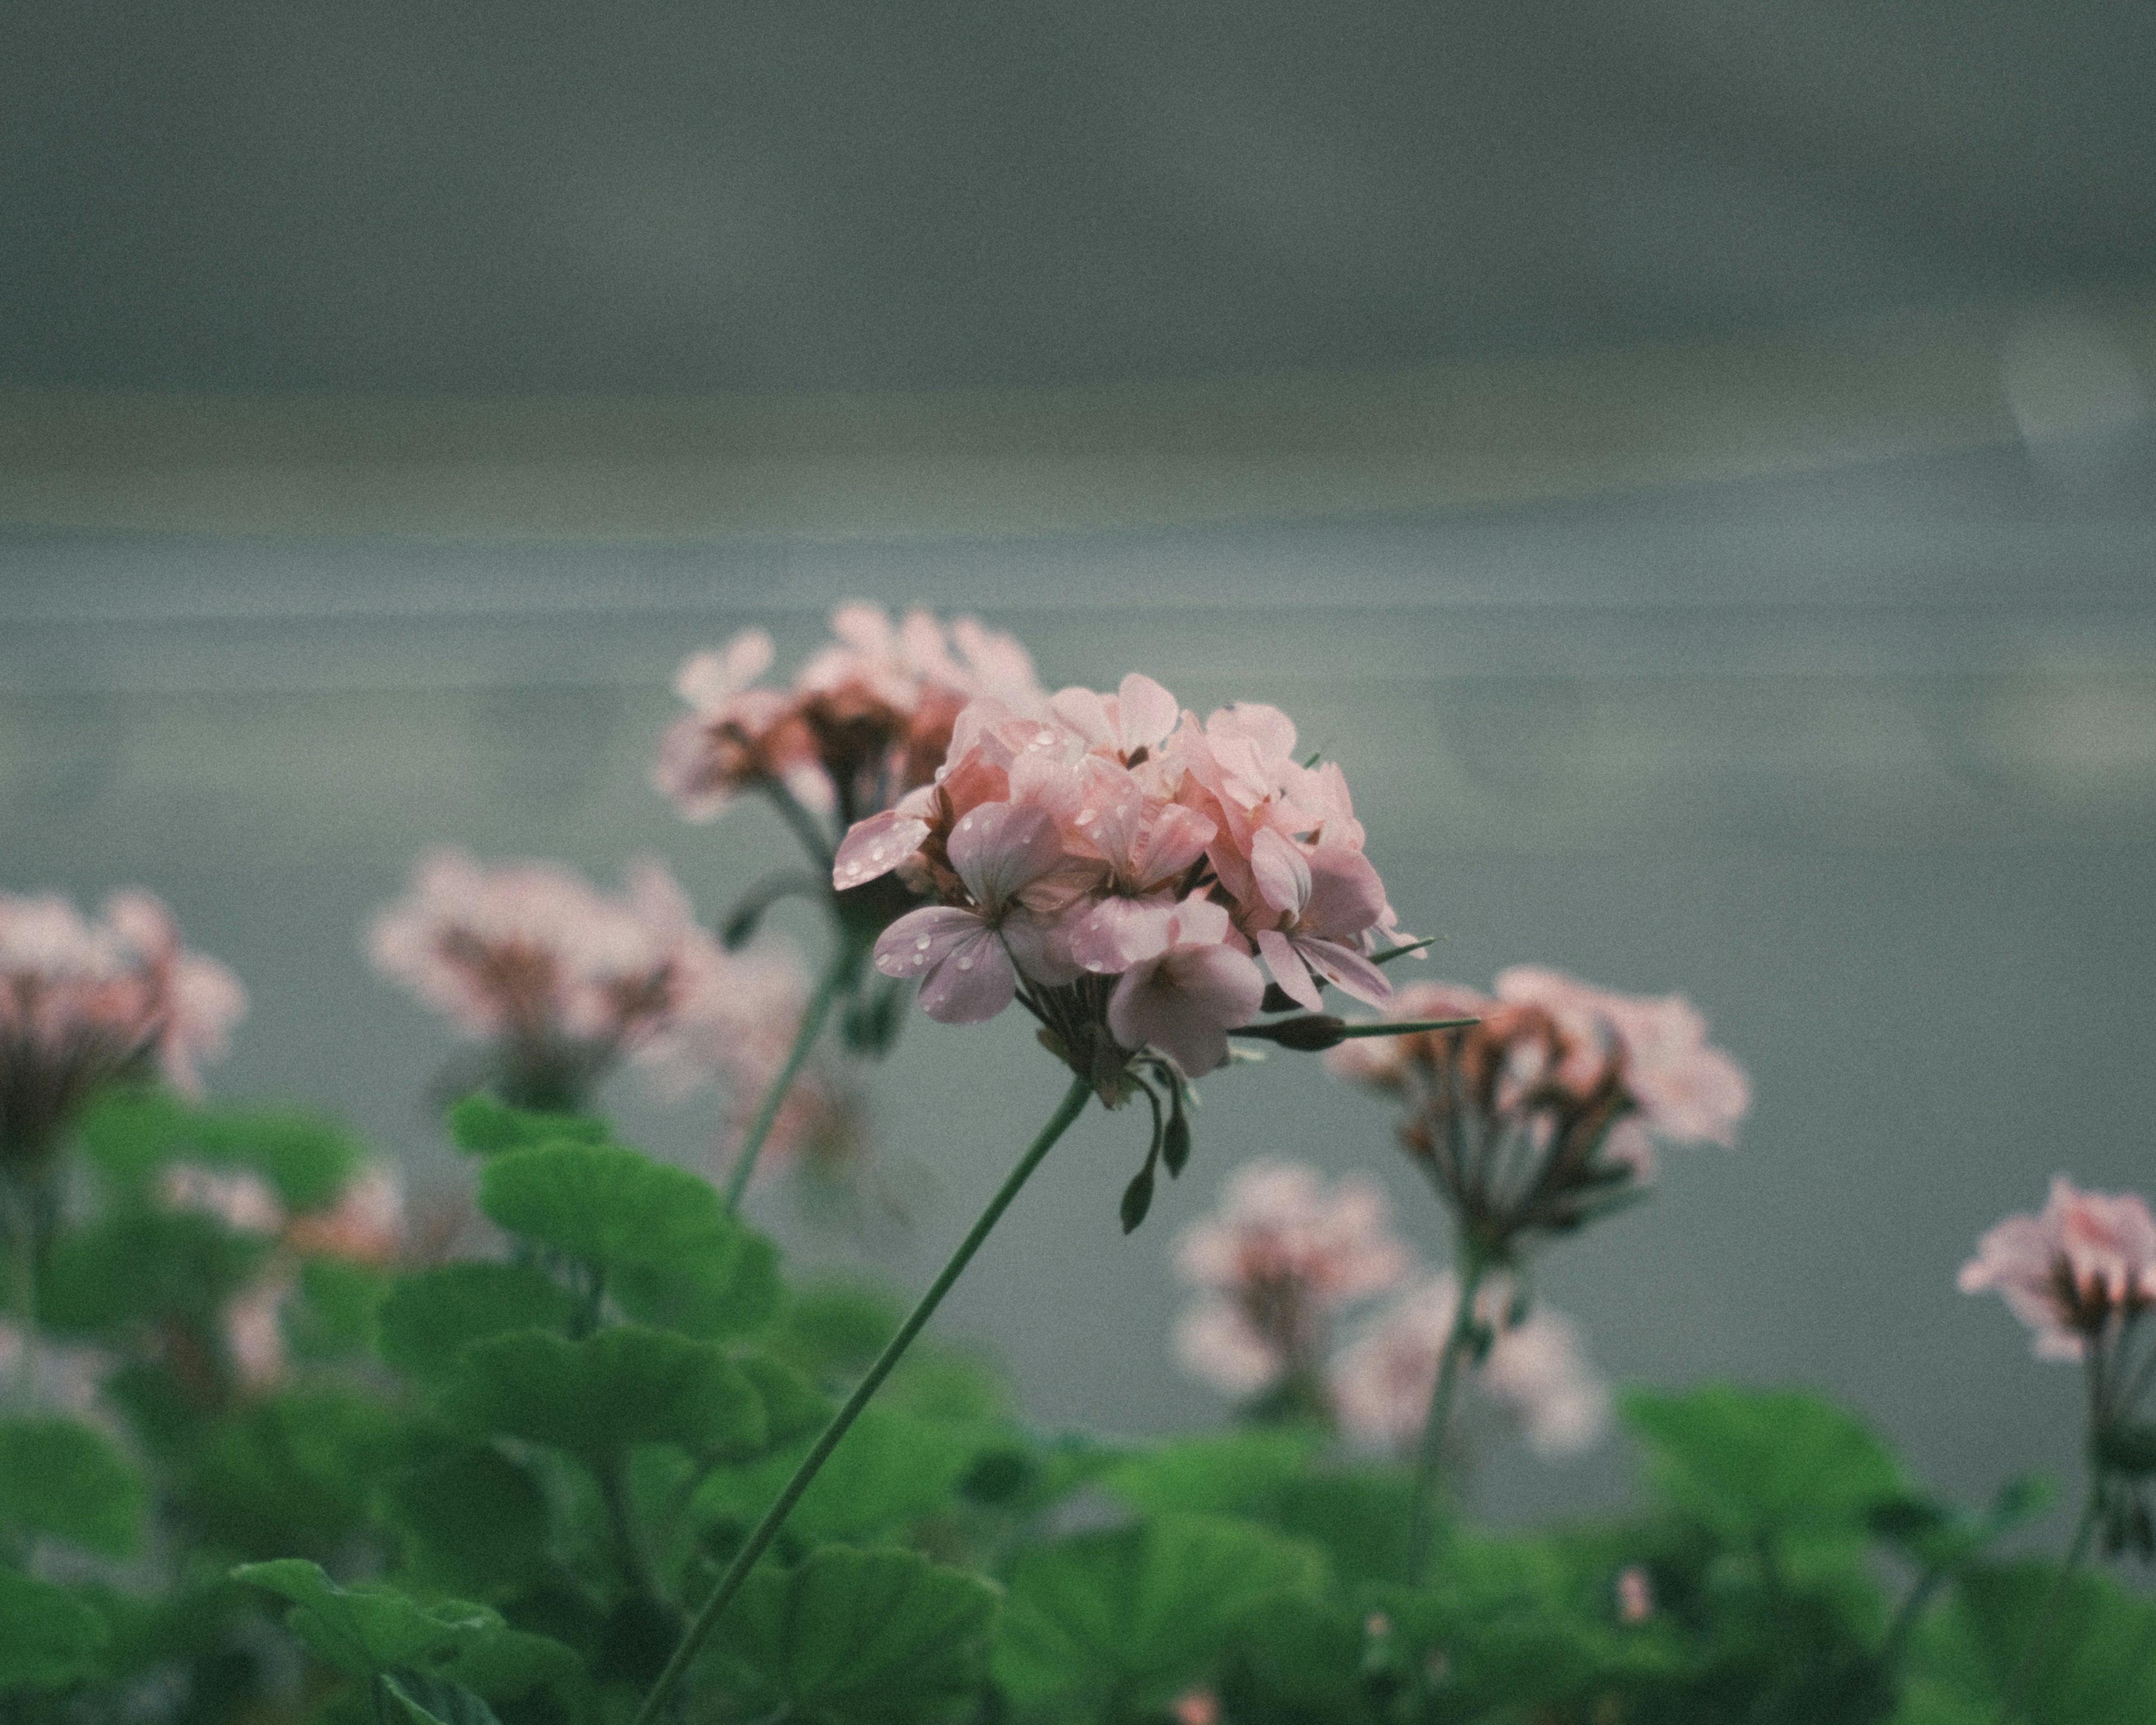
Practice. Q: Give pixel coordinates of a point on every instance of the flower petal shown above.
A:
(1145, 713)
(876, 847)
(1344, 968)
(1281, 874)
(1288, 969)
(1000, 848)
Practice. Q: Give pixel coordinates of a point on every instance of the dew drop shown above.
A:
(965, 964)
(1084, 816)
(922, 944)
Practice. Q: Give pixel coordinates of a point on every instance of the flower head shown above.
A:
(1545, 1112)
(2072, 1273)
(1123, 870)
(561, 979)
(83, 1002)
(1535, 1369)
(867, 718)
(1275, 1263)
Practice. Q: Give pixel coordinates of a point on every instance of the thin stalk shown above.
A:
(629, 1553)
(1921, 1594)
(843, 960)
(22, 1276)
(2025, 1666)
(805, 826)
(767, 1530)
(1429, 1458)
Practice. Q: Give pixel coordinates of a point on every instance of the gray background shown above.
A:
(1759, 607)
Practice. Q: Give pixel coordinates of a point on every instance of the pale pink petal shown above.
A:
(1345, 896)
(1145, 713)
(1000, 848)
(1288, 970)
(1119, 932)
(966, 975)
(1185, 1003)
(1344, 968)
(876, 847)
(1282, 875)
(1040, 946)
(708, 679)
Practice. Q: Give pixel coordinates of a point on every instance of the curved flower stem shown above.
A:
(2025, 1666)
(844, 961)
(730, 1583)
(1429, 1457)
(805, 825)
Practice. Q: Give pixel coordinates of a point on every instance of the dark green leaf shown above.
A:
(145, 1264)
(1749, 1462)
(859, 1634)
(1139, 1611)
(132, 1135)
(892, 1470)
(1245, 1473)
(425, 1320)
(2127, 1447)
(57, 1477)
(334, 1314)
(296, 1470)
(481, 1126)
(2090, 1651)
(792, 1406)
(47, 1637)
(429, 1701)
(622, 1386)
(476, 1520)
(369, 1628)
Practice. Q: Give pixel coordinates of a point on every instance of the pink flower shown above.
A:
(561, 978)
(83, 1003)
(867, 719)
(1325, 900)
(1536, 1370)
(1635, 1594)
(238, 1199)
(366, 1225)
(1545, 1112)
(1192, 989)
(1275, 1261)
(2090, 1258)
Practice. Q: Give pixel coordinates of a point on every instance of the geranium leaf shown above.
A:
(428, 1318)
(60, 1477)
(47, 1637)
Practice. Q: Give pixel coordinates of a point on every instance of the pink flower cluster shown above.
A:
(1548, 1109)
(1123, 871)
(866, 719)
(83, 1002)
(563, 979)
(2075, 1274)
(1283, 1261)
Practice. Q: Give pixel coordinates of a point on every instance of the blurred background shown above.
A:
(1692, 465)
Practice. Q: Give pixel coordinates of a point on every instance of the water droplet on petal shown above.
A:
(965, 964)
(1084, 816)
(922, 943)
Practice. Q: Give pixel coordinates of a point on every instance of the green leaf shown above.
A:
(132, 1135)
(429, 1701)
(57, 1477)
(481, 1126)
(1221, 1473)
(47, 1637)
(1751, 1462)
(620, 1387)
(892, 1470)
(671, 1254)
(370, 1627)
(296, 1470)
(2093, 1661)
(833, 1329)
(1139, 1611)
(145, 1265)
(426, 1319)
(859, 1634)
(476, 1520)
(334, 1314)
(792, 1406)
(2127, 1447)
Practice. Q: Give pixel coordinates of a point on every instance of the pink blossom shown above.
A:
(867, 718)
(1276, 1260)
(1535, 1369)
(366, 1225)
(238, 1198)
(1325, 899)
(563, 979)
(83, 1003)
(1193, 989)
(2088, 1259)
(1635, 1594)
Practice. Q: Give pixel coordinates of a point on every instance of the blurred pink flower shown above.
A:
(867, 718)
(1277, 1260)
(238, 1198)
(561, 978)
(1536, 1369)
(1635, 1594)
(2088, 1259)
(366, 1225)
(1546, 1111)
(84, 1002)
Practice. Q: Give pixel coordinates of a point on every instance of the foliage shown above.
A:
(489, 1492)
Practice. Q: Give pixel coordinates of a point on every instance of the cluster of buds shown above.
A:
(1282, 1263)
(85, 1003)
(1544, 1113)
(867, 718)
(560, 980)
(2082, 1276)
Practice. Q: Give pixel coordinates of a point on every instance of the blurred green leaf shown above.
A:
(672, 1254)
(620, 1387)
(296, 1470)
(145, 1265)
(792, 1406)
(132, 1135)
(334, 1313)
(892, 1470)
(481, 1126)
(425, 1319)
(58, 1477)
(1138, 1612)
(859, 1635)
(429, 1701)
(477, 1521)
(1223, 1473)
(2093, 1661)
(1753, 1462)
(47, 1637)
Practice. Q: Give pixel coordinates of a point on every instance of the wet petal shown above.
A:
(1344, 968)
(876, 847)
(999, 848)
(1288, 970)
(1281, 874)
(1346, 896)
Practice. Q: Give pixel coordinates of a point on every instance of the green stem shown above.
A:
(2025, 1666)
(1429, 1458)
(630, 1557)
(22, 1276)
(804, 824)
(844, 960)
(730, 1583)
